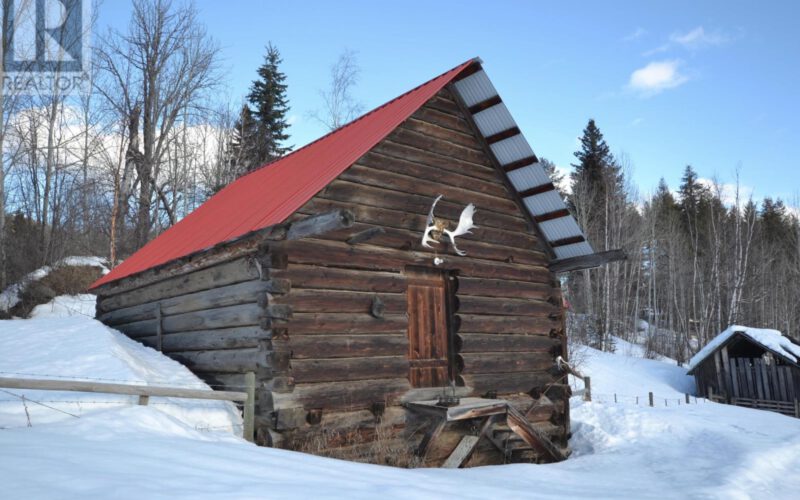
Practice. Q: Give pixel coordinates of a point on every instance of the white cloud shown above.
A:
(727, 191)
(636, 122)
(656, 77)
(635, 34)
(699, 38)
(694, 39)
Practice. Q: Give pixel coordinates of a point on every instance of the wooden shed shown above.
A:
(752, 367)
(342, 275)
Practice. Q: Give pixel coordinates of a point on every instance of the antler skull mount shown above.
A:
(436, 228)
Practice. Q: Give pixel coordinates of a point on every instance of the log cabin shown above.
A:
(753, 367)
(367, 341)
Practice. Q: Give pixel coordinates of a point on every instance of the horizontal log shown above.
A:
(224, 252)
(239, 293)
(342, 255)
(302, 276)
(408, 137)
(492, 362)
(319, 224)
(332, 370)
(443, 119)
(319, 324)
(505, 306)
(447, 134)
(228, 273)
(415, 222)
(505, 382)
(403, 239)
(498, 342)
(338, 301)
(211, 319)
(419, 194)
(503, 324)
(201, 340)
(444, 102)
(506, 288)
(224, 361)
(132, 390)
(344, 346)
(343, 395)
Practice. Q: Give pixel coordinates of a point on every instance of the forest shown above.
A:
(105, 172)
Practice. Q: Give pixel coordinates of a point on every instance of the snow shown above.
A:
(67, 305)
(623, 450)
(771, 339)
(13, 293)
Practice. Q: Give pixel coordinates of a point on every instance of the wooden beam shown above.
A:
(587, 261)
(568, 241)
(469, 70)
(321, 223)
(535, 439)
(543, 188)
(524, 162)
(505, 134)
(557, 214)
(365, 235)
(486, 104)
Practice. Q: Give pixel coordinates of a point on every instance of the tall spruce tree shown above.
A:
(269, 105)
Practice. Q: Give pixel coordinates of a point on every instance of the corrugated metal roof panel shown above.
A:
(573, 250)
(493, 120)
(511, 149)
(528, 177)
(561, 228)
(270, 194)
(544, 203)
(475, 88)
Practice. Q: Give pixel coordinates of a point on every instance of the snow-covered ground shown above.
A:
(121, 450)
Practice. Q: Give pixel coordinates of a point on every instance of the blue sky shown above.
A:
(712, 84)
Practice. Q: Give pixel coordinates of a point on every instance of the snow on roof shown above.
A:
(773, 340)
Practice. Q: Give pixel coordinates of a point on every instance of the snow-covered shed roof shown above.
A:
(771, 340)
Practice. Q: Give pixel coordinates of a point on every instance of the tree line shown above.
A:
(700, 257)
(105, 172)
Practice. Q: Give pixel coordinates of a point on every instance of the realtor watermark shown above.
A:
(45, 46)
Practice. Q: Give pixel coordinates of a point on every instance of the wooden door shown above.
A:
(428, 327)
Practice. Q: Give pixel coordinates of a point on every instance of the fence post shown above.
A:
(797, 408)
(144, 399)
(615, 398)
(587, 390)
(249, 407)
(687, 398)
(650, 395)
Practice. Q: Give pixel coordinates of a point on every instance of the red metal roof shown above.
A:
(272, 193)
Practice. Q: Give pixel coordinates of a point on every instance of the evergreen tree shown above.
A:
(556, 176)
(594, 158)
(242, 155)
(268, 106)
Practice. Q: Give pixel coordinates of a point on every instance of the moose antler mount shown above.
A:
(436, 229)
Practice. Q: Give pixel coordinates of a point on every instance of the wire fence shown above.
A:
(646, 399)
(121, 381)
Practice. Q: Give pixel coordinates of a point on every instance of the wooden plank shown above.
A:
(337, 369)
(331, 278)
(131, 390)
(441, 118)
(734, 374)
(751, 389)
(485, 104)
(534, 438)
(211, 319)
(587, 261)
(759, 381)
(447, 134)
(765, 379)
(429, 438)
(406, 136)
(462, 452)
(506, 288)
(726, 378)
(506, 382)
(394, 149)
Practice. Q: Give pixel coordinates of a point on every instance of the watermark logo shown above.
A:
(45, 46)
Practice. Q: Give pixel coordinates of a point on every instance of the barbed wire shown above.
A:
(24, 399)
